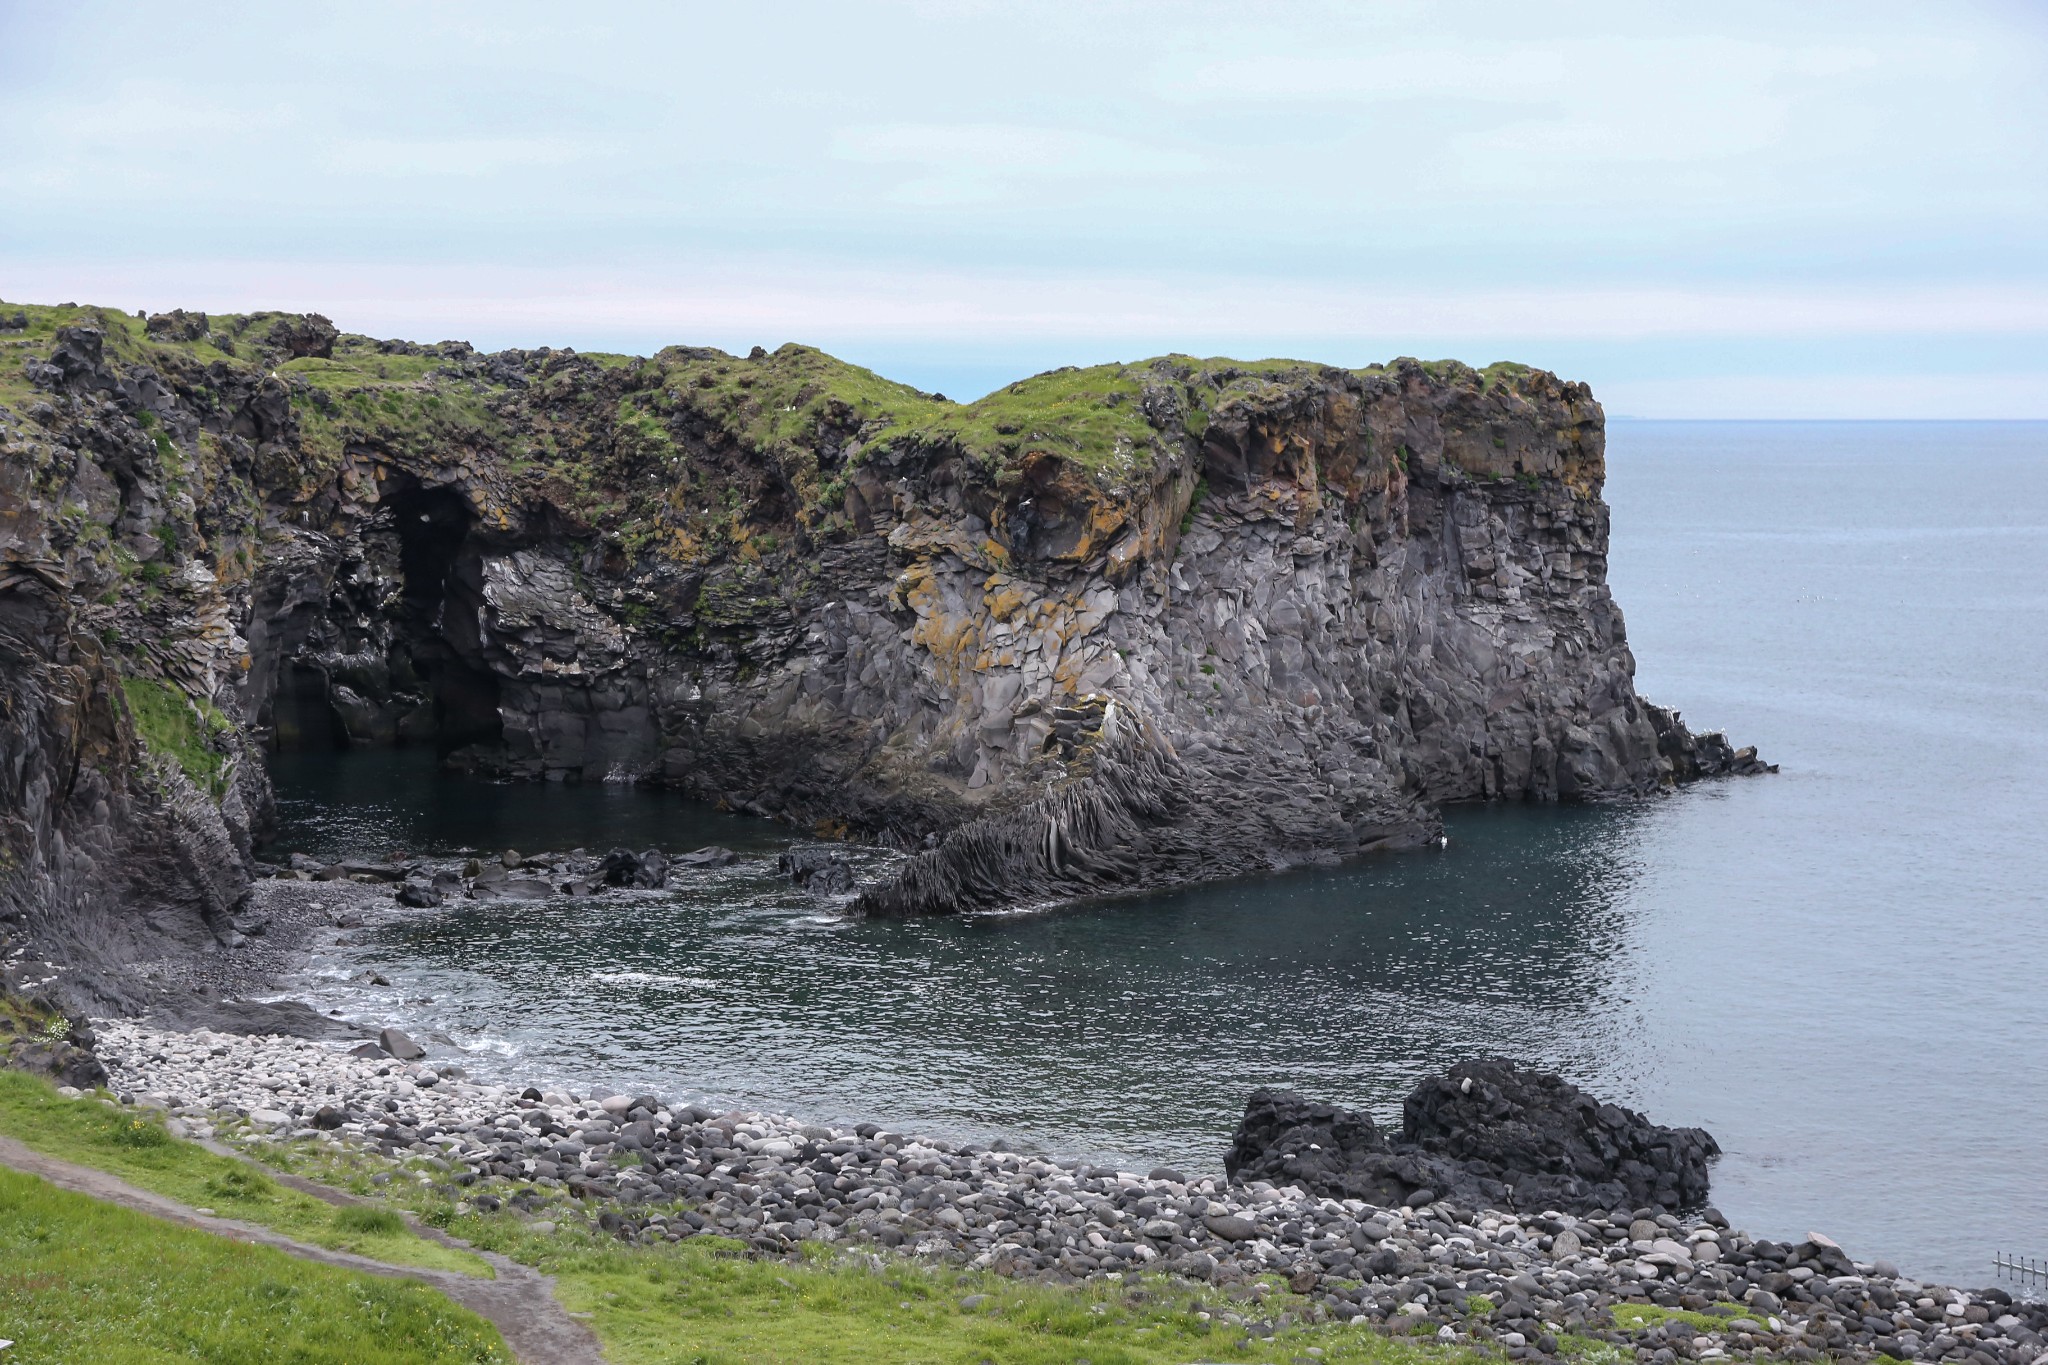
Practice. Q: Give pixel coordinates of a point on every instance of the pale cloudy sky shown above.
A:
(1773, 209)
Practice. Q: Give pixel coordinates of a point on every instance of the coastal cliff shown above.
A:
(1103, 629)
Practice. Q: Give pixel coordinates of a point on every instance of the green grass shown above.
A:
(354, 365)
(179, 729)
(134, 1146)
(1637, 1316)
(1090, 416)
(85, 1281)
(703, 1300)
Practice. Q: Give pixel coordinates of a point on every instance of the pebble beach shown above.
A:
(644, 1170)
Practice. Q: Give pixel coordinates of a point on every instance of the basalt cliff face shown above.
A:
(1103, 629)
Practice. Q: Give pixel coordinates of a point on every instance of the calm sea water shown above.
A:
(1841, 971)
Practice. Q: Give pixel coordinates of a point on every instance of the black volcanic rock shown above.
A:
(623, 867)
(1485, 1134)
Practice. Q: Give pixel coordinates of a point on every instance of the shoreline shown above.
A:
(644, 1171)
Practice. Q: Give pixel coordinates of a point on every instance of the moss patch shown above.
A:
(1637, 1316)
(177, 728)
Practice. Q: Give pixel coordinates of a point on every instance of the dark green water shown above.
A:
(1841, 971)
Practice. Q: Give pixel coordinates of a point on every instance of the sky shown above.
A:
(1731, 210)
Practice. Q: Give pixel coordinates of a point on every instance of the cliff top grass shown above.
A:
(83, 1280)
(1091, 415)
(631, 445)
(135, 1145)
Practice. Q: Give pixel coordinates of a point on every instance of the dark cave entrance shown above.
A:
(417, 675)
(438, 632)
(302, 714)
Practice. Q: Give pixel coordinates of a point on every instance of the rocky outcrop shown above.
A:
(36, 1039)
(1486, 1134)
(1100, 630)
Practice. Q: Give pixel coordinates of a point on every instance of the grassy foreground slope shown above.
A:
(135, 1146)
(85, 1281)
(708, 1300)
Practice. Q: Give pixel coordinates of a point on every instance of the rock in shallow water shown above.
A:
(820, 870)
(623, 867)
(400, 1046)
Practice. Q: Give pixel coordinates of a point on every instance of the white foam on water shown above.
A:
(647, 979)
(487, 1043)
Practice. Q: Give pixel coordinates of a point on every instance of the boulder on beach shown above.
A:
(1485, 1134)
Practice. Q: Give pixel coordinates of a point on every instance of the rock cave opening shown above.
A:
(437, 640)
(302, 714)
(394, 656)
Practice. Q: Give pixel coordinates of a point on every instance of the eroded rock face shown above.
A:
(1102, 630)
(1486, 1134)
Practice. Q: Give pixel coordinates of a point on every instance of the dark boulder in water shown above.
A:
(623, 867)
(1485, 1134)
(817, 869)
(419, 895)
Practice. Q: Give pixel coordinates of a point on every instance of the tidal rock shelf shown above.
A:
(644, 1170)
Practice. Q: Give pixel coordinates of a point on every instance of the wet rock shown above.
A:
(395, 1042)
(512, 889)
(710, 856)
(817, 869)
(419, 895)
(623, 867)
(362, 870)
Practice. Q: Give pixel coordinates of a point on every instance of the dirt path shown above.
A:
(520, 1302)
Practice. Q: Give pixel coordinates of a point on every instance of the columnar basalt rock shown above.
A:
(1100, 630)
